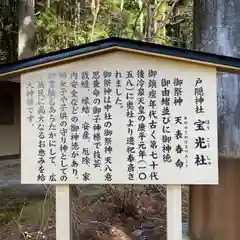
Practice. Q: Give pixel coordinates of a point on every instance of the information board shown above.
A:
(120, 118)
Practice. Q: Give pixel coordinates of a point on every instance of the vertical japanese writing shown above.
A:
(85, 112)
(108, 125)
(153, 119)
(41, 131)
(202, 142)
(166, 120)
(63, 127)
(177, 92)
(199, 96)
(97, 138)
(111, 124)
(179, 136)
(74, 103)
(52, 122)
(141, 126)
(179, 122)
(130, 144)
(30, 100)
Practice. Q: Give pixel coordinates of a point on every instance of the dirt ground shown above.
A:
(114, 213)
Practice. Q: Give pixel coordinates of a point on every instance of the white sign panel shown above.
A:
(120, 118)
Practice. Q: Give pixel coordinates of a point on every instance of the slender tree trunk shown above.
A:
(215, 210)
(26, 29)
(26, 32)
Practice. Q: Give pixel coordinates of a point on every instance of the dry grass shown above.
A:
(113, 213)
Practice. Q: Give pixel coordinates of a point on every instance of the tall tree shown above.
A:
(215, 212)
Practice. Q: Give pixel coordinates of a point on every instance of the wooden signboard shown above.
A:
(119, 112)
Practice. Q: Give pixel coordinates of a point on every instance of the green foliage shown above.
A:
(8, 31)
(57, 33)
(62, 24)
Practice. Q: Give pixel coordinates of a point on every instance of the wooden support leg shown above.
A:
(63, 212)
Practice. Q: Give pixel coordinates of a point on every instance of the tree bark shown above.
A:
(216, 30)
(214, 210)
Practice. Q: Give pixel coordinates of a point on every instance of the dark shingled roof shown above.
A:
(222, 63)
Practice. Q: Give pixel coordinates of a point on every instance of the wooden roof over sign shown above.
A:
(222, 63)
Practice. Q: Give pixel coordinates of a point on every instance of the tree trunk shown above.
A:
(217, 30)
(26, 29)
(26, 33)
(214, 210)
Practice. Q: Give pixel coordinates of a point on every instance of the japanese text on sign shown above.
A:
(144, 123)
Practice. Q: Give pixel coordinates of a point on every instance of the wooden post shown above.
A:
(174, 212)
(63, 212)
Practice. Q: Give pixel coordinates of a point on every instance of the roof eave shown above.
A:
(222, 63)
